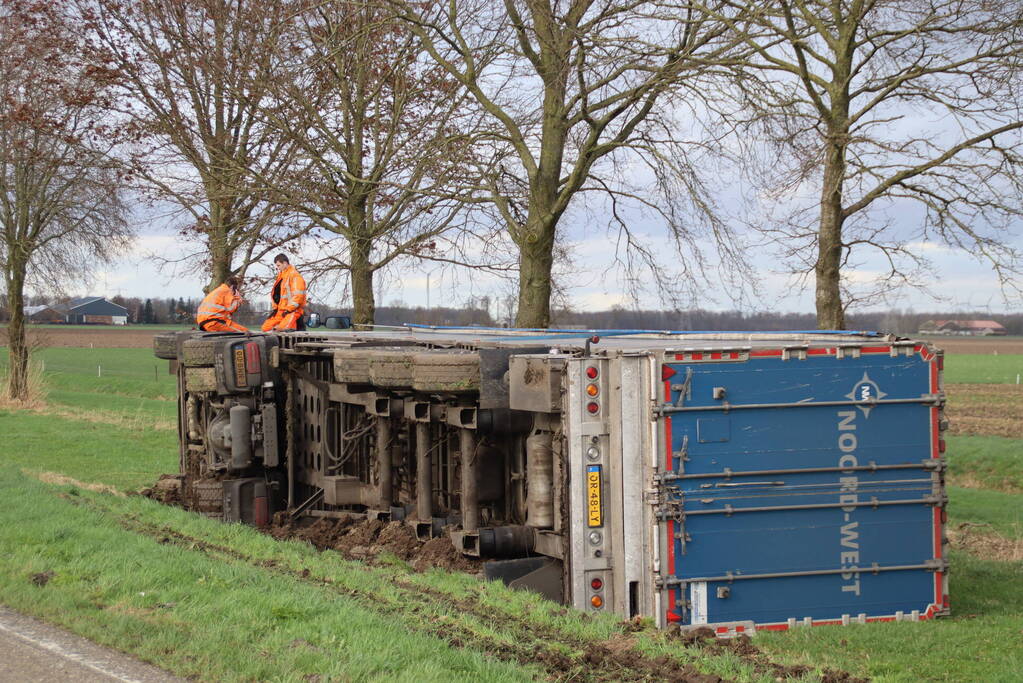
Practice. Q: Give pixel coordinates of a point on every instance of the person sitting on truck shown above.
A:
(215, 311)
(287, 298)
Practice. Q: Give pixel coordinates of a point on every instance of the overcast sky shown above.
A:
(591, 282)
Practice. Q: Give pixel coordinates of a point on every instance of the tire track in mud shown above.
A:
(559, 655)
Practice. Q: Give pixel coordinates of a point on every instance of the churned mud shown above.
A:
(366, 540)
(742, 646)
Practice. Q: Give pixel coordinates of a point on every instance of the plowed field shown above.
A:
(86, 336)
(985, 409)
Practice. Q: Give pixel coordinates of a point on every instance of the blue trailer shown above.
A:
(785, 482)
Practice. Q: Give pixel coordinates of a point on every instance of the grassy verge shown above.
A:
(982, 369)
(989, 462)
(196, 614)
(89, 451)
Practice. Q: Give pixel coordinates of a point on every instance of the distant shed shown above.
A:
(93, 310)
(43, 314)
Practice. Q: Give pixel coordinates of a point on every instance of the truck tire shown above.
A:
(208, 498)
(352, 366)
(166, 346)
(200, 379)
(447, 372)
(392, 368)
(198, 353)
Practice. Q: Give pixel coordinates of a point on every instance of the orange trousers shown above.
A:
(279, 320)
(217, 325)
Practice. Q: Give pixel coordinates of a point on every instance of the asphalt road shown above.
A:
(31, 650)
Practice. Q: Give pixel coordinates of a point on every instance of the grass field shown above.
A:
(224, 602)
(983, 369)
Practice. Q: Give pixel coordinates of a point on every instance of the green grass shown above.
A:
(202, 616)
(88, 451)
(1002, 513)
(982, 369)
(992, 461)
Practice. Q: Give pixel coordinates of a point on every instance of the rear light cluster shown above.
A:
(597, 599)
(592, 390)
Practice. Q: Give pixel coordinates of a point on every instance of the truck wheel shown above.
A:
(208, 498)
(199, 352)
(447, 372)
(166, 346)
(200, 379)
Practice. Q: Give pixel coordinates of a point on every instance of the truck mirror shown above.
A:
(337, 322)
(313, 320)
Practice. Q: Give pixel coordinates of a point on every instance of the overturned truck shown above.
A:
(736, 480)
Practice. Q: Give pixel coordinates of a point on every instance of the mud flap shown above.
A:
(541, 575)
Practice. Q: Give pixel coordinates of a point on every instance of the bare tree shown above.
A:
(196, 73)
(569, 86)
(61, 207)
(384, 143)
(902, 116)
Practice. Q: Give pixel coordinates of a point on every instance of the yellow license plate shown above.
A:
(239, 366)
(595, 515)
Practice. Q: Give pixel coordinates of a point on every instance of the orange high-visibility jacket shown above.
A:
(218, 305)
(288, 293)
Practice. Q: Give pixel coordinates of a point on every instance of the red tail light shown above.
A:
(252, 357)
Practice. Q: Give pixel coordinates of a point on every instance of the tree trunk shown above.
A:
(536, 261)
(220, 251)
(17, 345)
(364, 306)
(830, 313)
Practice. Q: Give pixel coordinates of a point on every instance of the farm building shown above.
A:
(43, 314)
(92, 310)
(976, 328)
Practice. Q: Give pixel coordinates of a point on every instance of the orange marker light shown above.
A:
(597, 601)
(592, 390)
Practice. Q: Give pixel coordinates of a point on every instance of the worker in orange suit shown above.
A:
(287, 298)
(215, 311)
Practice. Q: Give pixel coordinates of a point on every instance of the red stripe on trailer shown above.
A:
(820, 352)
(668, 468)
(697, 356)
(876, 349)
(680, 356)
(936, 451)
(766, 353)
(716, 355)
(672, 616)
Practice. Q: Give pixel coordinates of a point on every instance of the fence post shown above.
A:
(99, 370)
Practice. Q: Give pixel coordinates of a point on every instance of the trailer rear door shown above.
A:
(801, 486)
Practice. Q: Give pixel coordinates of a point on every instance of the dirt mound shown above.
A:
(742, 646)
(981, 540)
(362, 539)
(166, 490)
